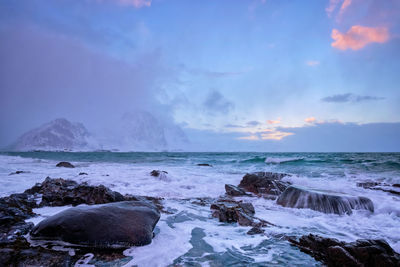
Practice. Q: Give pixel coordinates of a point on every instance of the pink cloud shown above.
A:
(345, 5)
(273, 121)
(331, 7)
(312, 63)
(358, 37)
(310, 120)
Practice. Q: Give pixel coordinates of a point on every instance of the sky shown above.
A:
(265, 75)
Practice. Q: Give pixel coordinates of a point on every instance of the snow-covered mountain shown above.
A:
(142, 131)
(59, 134)
(137, 131)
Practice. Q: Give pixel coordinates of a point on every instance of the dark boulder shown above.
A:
(264, 183)
(83, 173)
(296, 197)
(359, 253)
(122, 224)
(232, 190)
(204, 165)
(255, 231)
(60, 192)
(14, 209)
(65, 164)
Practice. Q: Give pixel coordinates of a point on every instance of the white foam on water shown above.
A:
(282, 159)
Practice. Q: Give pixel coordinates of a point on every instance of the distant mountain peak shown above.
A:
(58, 134)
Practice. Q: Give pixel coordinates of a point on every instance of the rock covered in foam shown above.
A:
(264, 183)
(121, 224)
(65, 164)
(296, 197)
(362, 252)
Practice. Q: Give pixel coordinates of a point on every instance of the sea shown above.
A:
(189, 235)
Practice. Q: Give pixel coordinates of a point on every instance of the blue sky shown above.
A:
(243, 70)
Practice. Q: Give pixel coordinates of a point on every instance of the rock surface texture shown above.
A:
(121, 224)
(359, 253)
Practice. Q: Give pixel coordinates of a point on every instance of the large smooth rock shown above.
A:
(362, 252)
(296, 197)
(264, 183)
(121, 224)
(60, 192)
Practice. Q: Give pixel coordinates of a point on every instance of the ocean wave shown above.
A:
(254, 160)
(282, 160)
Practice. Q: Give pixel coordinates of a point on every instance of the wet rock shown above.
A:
(60, 192)
(359, 253)
(232, 211)
(18, 172)
(296, 197)
(255, 231)
(204, 165)
(122, 224)
(157, 173)
(83, 173)
(232, 190)
(385, 187)
(65, 164)
(268, 184)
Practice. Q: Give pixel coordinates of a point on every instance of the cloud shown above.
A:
(273, 121)
(215, 102)
(253, 123)
(344, 6)
(312, 63)
(134, 3)
(233, 126)
(333, 4)
(249, 137)
(310, 120)
(343, 98)
(273, 134)
(358, 37)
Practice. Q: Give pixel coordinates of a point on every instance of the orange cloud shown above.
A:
(310, 120)
(358, 37)
(273, 121)
(274, 135)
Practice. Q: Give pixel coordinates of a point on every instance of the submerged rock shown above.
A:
(122, 224)
(264, 183)
(296, 197)
(232, 190)
(18, 172)
(204, 165)
(160, 174)
(60, 192)
(65, 164)
(389, 188)
(359, 253)
(83, 173)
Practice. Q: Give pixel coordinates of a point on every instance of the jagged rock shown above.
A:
(60, 192)
(204, 165)
(389, 188)
(83, 173)
(122, 224)
(264, 183)
(233, 211)
(296, 197)
(359, 253)
(16, 208)
(232, 190)
(65, 164)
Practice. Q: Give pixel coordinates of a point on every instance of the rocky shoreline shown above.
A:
(109, 222)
